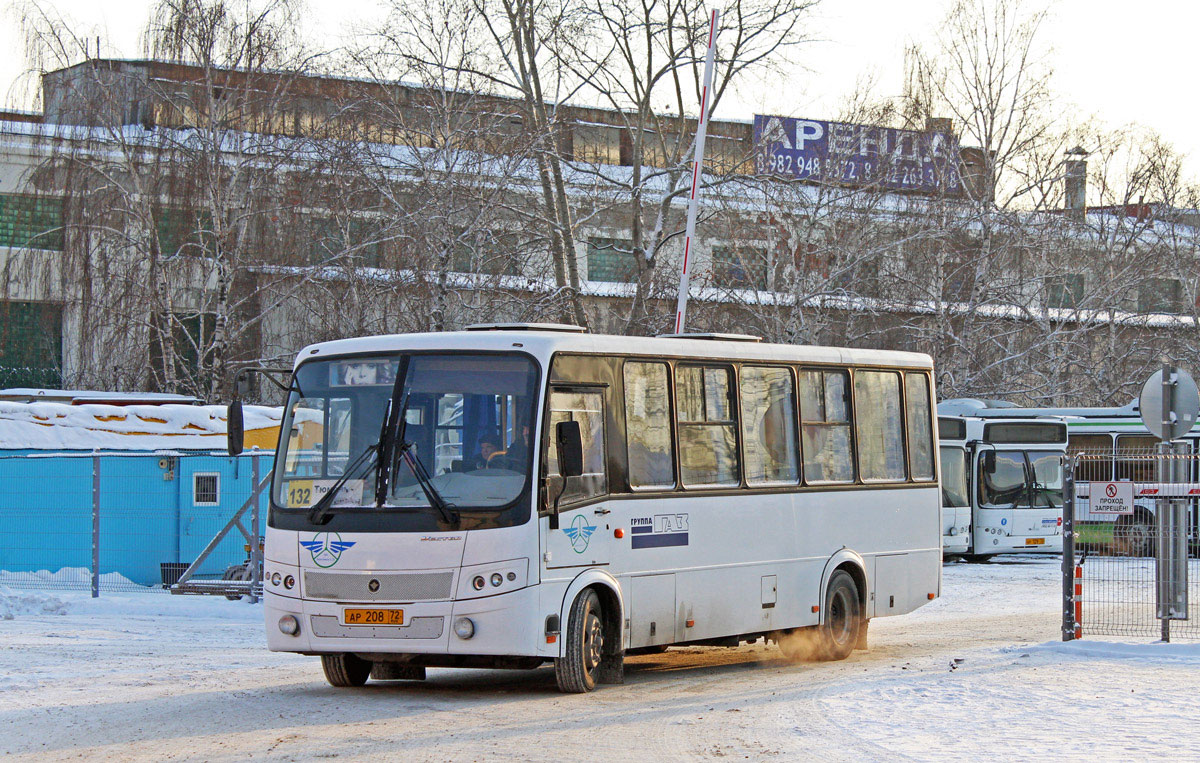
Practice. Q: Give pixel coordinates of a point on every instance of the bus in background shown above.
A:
(1015, 477)
(515, 495)
(956, 499)
(1118, 435)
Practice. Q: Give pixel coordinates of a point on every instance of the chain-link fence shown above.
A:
(128, 521)
(1131, 565)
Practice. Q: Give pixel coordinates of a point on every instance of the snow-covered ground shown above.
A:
(978, 673)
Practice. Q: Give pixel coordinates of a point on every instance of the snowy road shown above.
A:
(152, 677)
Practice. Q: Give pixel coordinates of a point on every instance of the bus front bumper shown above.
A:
(501, 625)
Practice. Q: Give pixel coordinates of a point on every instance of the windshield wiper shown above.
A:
(319, 513)
(407, 452)
(445, 508)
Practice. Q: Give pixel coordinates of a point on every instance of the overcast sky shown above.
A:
(1123, 62)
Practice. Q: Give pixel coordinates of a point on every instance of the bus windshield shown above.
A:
(1021, 479)
(464, 418)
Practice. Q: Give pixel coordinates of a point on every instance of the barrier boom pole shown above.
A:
(697, 163)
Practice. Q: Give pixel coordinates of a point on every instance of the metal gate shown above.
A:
(1130, 561)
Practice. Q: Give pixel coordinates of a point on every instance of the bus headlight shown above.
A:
(497, 579)
(464, 628)
(289, 625)
(477, 583)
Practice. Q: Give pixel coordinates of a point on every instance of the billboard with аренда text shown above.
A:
(858, 155)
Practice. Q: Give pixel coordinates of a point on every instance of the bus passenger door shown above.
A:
(583, 536)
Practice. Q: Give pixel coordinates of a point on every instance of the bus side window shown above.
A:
(920, 426)
(1135, 458)
(769, 426)
(588, 409)
(878, 426)
(825, 426)
(648, 426)
(708, 454)
(1094, 454)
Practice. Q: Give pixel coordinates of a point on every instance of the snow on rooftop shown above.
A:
(59, 426)
(34, 394)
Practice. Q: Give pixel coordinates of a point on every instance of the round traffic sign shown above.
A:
(1183, 404)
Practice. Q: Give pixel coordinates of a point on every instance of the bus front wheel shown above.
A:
(839, 633)
(583, 647)
(344, 670)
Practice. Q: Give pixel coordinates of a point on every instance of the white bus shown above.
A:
(1119, 434)
(1014, 479)
(716, 492)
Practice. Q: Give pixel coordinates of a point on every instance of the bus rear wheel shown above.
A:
(343, 670)
(1134, 534)
(839, 633)
(583, 647)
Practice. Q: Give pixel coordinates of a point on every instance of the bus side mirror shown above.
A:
(989, 461)
(235, 428)
(570, 449)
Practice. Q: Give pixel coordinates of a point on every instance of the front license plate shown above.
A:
(1035, 541)
(373, 616)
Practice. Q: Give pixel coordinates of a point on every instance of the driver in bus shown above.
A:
(488, 450)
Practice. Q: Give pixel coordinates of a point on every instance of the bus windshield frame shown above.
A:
(463, 415)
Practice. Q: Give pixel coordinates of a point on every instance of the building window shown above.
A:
(596, 144)
(486, 252)
(31, 338)
(340, 238)
(31, 222)
(739, 267)
(182, 233)
(611, 259)
(1065, 291)
(1160, 295)
(206, 489)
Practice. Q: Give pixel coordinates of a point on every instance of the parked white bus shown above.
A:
(1118, 432)
(716, 492)
(1014, 485)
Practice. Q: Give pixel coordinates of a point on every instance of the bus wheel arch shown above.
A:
(593, 589)
(852, 565)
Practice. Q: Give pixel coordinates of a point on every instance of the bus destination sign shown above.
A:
(859, 155)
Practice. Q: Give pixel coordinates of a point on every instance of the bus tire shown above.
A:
(1134, 534)
(583, 648)
(343, 670)
(838, 633)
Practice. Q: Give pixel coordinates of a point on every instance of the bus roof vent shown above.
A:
(714, 337)
(565, 328)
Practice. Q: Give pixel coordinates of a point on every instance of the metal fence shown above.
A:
(131, 521)
(1131, 550)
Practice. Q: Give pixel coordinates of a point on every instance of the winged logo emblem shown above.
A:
(579, 532)
(326, 548)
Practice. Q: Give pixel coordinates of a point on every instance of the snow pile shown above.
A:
(1155, 651)
(13, 603)
(66, 577)
(58, 426)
